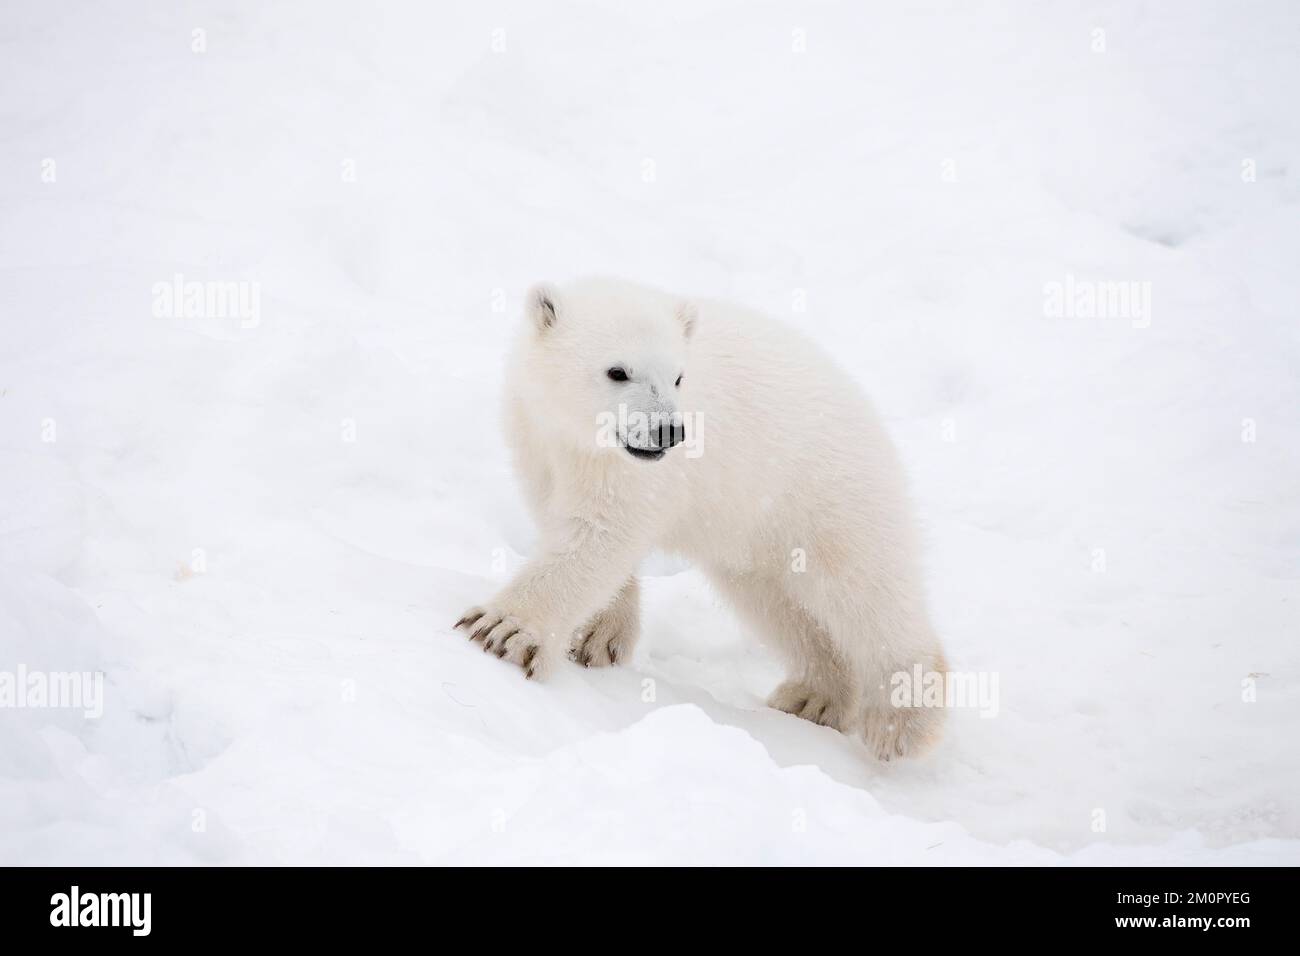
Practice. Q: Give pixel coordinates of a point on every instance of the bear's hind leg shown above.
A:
(820, 687)
(886, 650)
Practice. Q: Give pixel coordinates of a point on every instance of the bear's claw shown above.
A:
(469, 618)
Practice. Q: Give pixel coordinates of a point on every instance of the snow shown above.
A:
(262, 530)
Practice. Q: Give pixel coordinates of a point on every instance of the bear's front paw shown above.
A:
(607, 639)
(902, 731)
(810, 703)
(508, 637)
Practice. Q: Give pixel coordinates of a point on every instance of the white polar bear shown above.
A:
(638, 421)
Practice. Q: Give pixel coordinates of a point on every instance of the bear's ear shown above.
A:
(543, 306)
(687, 314)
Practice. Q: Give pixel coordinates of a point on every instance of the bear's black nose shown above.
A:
(670, 433)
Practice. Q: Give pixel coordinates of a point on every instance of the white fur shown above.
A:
(790, 459)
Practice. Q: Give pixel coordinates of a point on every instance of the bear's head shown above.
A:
(604, 366)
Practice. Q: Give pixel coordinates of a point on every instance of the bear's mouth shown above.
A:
(645, 454)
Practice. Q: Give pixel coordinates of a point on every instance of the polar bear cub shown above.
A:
(639, 421)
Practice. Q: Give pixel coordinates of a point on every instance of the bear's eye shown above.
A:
(679, 380)
(617, 374)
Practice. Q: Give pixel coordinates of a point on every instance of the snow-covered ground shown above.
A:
(260, 529)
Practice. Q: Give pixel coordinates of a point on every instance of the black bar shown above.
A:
(337, 906)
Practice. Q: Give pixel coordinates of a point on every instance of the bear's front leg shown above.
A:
(531, 622)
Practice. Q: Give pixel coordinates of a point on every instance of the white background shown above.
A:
(900, 181)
